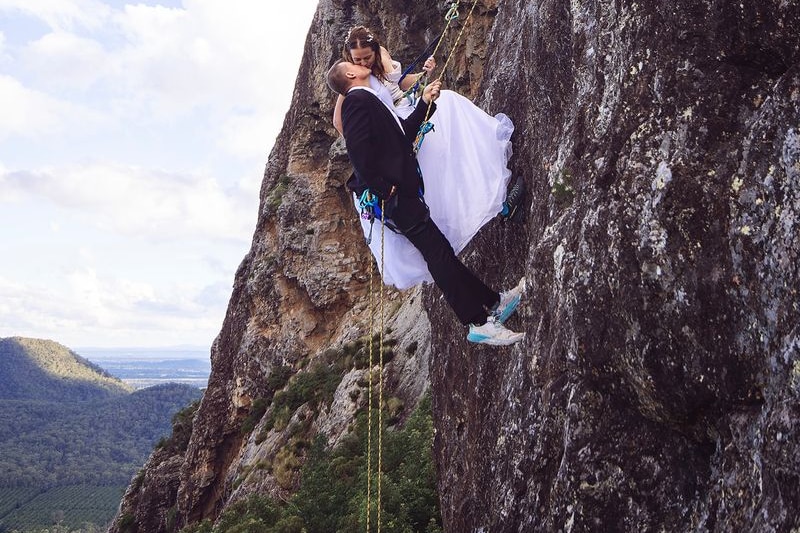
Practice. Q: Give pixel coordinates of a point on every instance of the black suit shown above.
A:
(382, 156)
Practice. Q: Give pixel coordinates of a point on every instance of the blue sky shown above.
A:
(133, 140)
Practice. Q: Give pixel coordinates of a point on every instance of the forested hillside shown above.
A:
(36, 369)
(105, 441)
(71, 436)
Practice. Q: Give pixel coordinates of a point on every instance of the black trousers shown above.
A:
(467, 295)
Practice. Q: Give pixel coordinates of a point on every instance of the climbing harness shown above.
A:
(451, 15)
(370, 209)
(380, 387)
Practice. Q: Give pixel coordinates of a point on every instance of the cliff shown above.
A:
(658, 386)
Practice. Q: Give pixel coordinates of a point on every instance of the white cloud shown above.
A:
(62, 60)
(116, 301)
(31, 113)
(226, 55)
(150, 204)
(249, 135)
(108, 311)
(226, 63)
(62, 14)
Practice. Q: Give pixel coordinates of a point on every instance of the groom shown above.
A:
(379, 144)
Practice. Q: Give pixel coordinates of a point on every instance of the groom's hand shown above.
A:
(431, 92)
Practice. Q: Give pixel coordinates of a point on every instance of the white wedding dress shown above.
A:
(464, 164)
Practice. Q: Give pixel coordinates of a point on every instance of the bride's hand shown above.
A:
(431, 92)
(429, 64)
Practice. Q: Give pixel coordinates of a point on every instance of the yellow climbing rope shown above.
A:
(380, 389)
(426, 126)
(369, 400)
(452, 14)
(380, 375)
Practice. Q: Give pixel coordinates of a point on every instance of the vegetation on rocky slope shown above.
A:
(332, 496)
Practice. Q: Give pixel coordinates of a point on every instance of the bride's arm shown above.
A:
(394, 75)
(411, 79)
(337, 114)
(386, 60)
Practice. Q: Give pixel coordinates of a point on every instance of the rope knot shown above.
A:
(424, 129)
(452, 13)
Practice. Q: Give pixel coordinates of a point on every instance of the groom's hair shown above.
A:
(337, 80)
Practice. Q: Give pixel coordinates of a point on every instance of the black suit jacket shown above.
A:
(381, 153)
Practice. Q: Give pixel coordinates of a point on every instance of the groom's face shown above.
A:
(361, 72)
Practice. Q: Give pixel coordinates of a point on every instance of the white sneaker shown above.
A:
(493, 333)
(509, 300)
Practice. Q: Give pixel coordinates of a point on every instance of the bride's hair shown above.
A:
(362, 37)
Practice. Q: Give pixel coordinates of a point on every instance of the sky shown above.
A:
(133, 141)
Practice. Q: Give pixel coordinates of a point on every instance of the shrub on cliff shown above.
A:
(332, 496)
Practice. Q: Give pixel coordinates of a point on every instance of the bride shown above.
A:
(463, 160)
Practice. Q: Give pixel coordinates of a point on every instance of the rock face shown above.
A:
(658, 386)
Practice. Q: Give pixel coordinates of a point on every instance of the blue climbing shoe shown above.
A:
(509, 300)
(493, 333)
(514, 198)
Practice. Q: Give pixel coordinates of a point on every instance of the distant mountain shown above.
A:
(36, 369)
(68, 430)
